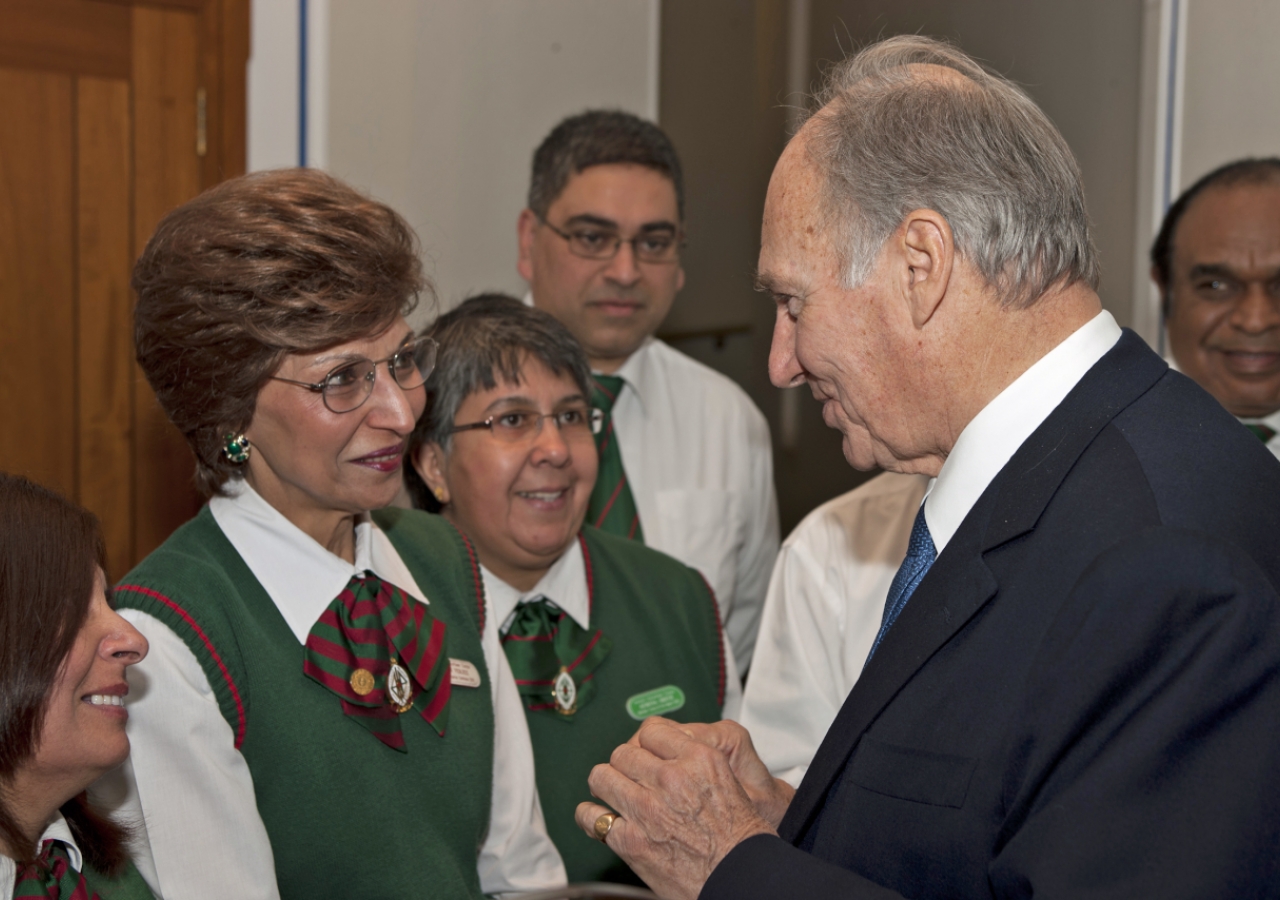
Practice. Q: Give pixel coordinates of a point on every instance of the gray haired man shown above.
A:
(1075, 685)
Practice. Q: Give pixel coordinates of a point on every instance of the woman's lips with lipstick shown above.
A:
(387, 459)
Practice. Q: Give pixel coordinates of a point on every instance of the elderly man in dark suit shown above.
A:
(1076, 687)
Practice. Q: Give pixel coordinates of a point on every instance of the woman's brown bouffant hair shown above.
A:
(50, 553)
(261, 266)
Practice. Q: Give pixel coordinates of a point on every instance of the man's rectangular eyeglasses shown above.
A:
(517, 425)
(347, 387)
(593, 242)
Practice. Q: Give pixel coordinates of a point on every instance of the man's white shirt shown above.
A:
(825, 603)
(202, 836)
(700, 464)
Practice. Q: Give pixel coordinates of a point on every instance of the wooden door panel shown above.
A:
(166, 173)
(82, 36)
(37, 284)
(107, 371)
(98, 105)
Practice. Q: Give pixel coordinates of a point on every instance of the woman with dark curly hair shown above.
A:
(63, 655)
(319, 717)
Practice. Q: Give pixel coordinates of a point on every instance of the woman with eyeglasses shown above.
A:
(63, 656)
(323, 714)
(600, 631)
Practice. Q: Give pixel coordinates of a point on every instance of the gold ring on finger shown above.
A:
(604, 825)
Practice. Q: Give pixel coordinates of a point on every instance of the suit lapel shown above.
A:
(960, 583)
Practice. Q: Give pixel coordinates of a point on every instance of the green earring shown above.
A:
(236, 448)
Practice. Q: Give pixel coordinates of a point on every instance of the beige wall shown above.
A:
(1231, 100)
(436, 109)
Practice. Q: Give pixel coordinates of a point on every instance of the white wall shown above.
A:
(436, 108)
(273, 85)
(1231, 105)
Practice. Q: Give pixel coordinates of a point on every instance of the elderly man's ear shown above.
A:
(927, 250)
(429, 462)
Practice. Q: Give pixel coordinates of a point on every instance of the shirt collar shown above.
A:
(1272, 421)
(300, 575)
(637, 372)
(989, 441)
(564, 584)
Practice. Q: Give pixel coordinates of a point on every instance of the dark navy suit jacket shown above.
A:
(1082, 697)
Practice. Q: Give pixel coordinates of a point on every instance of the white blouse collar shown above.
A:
(300, 575)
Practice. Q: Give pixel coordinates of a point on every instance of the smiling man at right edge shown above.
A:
(1216, 262)
(1076, 687)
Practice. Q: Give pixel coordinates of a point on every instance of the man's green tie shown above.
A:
(1262, 431)
(553, 658)
(612, 508)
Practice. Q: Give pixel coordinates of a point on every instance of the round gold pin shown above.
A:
(362, 681)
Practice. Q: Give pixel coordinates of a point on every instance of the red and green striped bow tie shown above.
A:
(51, 876)
(383, 653)
(553, 658)
(612, 507)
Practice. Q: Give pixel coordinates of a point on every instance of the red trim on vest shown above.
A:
(208, 645)
(591, 582)
(719, 633)
(475, 573)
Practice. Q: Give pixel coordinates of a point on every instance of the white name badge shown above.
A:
(463, 673)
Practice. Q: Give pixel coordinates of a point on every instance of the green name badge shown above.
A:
(655, 702)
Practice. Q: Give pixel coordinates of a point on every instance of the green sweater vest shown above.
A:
(347, 816)
(665, 628)
(128, 885)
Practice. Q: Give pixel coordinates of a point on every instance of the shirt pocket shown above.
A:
(905, 773)
(701, 529)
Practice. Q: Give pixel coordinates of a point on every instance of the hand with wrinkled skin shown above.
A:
(681, 807)
(770, 796)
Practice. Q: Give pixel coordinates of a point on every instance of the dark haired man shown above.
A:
(686, 462)
(1216, 262)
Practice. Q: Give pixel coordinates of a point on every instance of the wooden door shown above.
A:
(113, 113)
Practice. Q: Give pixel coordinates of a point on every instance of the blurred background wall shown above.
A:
(436, 108)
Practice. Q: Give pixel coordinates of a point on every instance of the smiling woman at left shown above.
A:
(63, 655)
(319, 720)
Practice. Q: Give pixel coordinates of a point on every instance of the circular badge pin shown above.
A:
(399, 688)
(566, 694)
(362, 681)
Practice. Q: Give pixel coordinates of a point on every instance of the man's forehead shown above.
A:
(1233, 221)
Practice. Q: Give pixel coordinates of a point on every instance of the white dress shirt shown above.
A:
(995, 434)
(825, 603)
(565, 585)
(58, 830)
(698, 457)
(191, 789)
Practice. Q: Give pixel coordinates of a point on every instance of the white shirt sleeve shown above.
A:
(206, 839)
(732, 683)
(756, 554)
(797, 682)
(517, 854)
(825, 603)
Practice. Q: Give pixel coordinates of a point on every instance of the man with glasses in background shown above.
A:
(686, 464)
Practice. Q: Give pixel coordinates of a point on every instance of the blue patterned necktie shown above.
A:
(920, 556)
